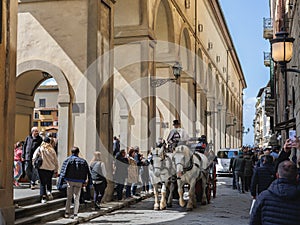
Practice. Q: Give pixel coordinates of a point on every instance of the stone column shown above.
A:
(8, 31)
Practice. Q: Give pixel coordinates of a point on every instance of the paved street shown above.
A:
(229, 208)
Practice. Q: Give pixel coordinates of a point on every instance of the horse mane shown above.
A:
(183, 149)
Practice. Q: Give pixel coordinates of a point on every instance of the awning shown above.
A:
(286, 125)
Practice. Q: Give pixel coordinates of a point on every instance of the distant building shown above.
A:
(45, 115)
(261, 122)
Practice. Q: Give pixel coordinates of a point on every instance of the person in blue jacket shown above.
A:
(74, 174)
(280, 203)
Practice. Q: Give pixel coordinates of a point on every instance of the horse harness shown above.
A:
(191, 164)
(163, 156)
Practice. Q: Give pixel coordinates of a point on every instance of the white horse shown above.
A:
(189, 168)
(161, 171)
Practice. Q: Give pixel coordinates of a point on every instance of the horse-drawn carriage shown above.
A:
(189, 166)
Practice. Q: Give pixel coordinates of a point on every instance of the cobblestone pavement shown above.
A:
(228, 208)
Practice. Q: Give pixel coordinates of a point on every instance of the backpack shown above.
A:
(38, 160)
(176, 137)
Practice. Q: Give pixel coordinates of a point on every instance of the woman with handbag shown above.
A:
(98, 174)
(46, 168)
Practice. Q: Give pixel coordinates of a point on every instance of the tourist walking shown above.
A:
(280, 203)
(98, 174)
(121, 172)
(18, 168)
(32, 142)
(47, 169)
(133, 175)
(263, 176)
(239, 167)
(75, 171)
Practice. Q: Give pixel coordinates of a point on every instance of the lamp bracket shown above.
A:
(160, 82)
(209, 113)
(292, 70)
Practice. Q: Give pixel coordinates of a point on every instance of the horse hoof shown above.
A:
(203, 203)
(189, 209)
(156, 209)
(169, 205)
(163, 208)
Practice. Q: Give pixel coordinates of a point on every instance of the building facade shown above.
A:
(110, 60)
(261, 122)
(285, 92)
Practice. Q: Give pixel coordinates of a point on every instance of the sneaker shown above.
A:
(67, 215)
(97, 204)
(49, 195)
(44, 201)
(16, 183)
(32, 187)
(75, 217)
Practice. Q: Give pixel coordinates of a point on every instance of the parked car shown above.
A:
(223, 157)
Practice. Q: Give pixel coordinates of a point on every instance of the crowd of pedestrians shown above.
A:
(36, 159)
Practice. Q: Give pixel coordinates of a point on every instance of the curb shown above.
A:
(107, 207)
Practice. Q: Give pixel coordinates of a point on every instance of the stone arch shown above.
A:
(184, 52)
(32, 71)
(164, 32)
(124, 117)
(201, 74)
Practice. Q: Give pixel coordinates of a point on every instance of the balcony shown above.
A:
(268, 28)
(270, 107)
(267, 59)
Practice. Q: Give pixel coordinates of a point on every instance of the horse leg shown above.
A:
(204, 183)
(155, 192)
(180, 193)
(170, 197)
(192, 197)
(163, 204)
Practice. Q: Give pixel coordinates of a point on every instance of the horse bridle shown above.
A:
(163, 166)
(190, 165)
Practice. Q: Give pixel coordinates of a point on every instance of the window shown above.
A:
(46, 123)
(36, 124)
(42, 102)
(36, 115)
(46, 112)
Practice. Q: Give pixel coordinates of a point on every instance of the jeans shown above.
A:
(99, 191)
(46, 181)
(31, 172)
(119, 188)
(239, 176)
(128, 190)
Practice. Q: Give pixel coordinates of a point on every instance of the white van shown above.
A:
(224, 156)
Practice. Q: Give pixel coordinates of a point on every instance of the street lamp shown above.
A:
(232, 124)
(282, 52)
(244, 131)
(177, 68)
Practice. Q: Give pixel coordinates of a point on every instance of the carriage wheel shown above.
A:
(214, 181)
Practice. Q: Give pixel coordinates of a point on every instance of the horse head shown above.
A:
(158, 156)
(181, 157)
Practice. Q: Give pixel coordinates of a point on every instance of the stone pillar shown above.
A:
(8, 31)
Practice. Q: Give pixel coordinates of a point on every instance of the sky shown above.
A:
(245, 23)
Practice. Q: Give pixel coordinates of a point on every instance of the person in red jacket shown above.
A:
(18, 170)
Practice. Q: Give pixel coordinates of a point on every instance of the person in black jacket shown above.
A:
(263, 176)
(280, 203)
(239, 167)
(32, 142)
(75, 172)
(121, 172)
